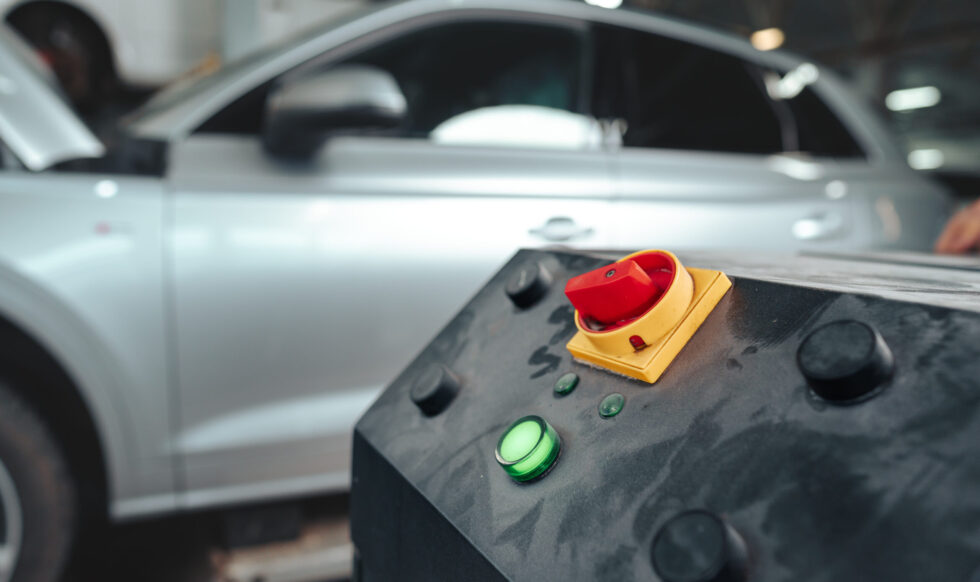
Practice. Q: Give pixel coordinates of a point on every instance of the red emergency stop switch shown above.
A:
(623, 291)
(636, 314)
(613, 293)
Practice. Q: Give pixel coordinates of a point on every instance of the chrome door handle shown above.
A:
(819, 226)
(561, 229)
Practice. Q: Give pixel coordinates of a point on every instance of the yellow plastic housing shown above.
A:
(665, 328)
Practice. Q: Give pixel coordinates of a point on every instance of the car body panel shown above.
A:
(819, 204)
(690, 196)
(897, 209)
(35, 123)
(83, 274)
(300, 291)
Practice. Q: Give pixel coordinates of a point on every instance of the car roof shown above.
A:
(176, 112)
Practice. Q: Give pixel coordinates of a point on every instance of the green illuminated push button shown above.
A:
(528, 448)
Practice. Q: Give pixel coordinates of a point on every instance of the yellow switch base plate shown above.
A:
(649, 363)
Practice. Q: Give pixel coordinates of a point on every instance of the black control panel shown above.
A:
(800, 435)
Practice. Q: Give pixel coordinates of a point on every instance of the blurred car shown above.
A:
(94, 44)
(195, 311)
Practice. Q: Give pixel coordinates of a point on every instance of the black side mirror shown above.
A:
(300, 115)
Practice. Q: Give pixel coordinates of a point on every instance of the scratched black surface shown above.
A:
(888, 489)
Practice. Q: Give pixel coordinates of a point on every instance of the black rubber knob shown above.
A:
(434, 389)
(698, 546)
(528, 284)
(845, 360)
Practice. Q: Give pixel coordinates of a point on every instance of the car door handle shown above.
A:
(819, 226)
(561, 229)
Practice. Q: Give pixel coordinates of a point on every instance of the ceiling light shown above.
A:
(605, 3)
(914, 98)
(926, 159)
(767, 39)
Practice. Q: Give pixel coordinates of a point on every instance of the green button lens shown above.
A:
(566, 383)
(528, 448)
(611, 405)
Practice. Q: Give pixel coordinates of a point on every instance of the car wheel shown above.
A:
(73, 47)
(37, 496)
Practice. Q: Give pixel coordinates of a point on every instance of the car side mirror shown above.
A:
(300, 115)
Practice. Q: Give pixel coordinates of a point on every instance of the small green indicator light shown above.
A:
(528, 448)
(566, 383)
(611, 405)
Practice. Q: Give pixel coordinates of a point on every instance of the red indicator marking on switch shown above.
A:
(637, 342)
(617, 293)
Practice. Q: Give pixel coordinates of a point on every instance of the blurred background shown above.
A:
(186, 111)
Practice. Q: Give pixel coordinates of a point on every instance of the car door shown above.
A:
(709, 158)
(304, 286)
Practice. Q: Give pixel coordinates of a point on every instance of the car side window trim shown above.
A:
(788, 128)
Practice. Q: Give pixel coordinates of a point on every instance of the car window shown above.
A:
(672, 94)
(818, 131)
(677, 95)
(451, 70)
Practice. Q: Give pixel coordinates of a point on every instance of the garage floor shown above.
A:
(240, 545)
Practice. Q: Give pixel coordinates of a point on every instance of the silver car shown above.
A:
(195, 312)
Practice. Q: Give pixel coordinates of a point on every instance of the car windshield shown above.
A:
(203, 79)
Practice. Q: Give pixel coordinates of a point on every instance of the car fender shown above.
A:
(82, 269)
(98, 378)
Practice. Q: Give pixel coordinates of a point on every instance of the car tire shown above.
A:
(37, 495)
